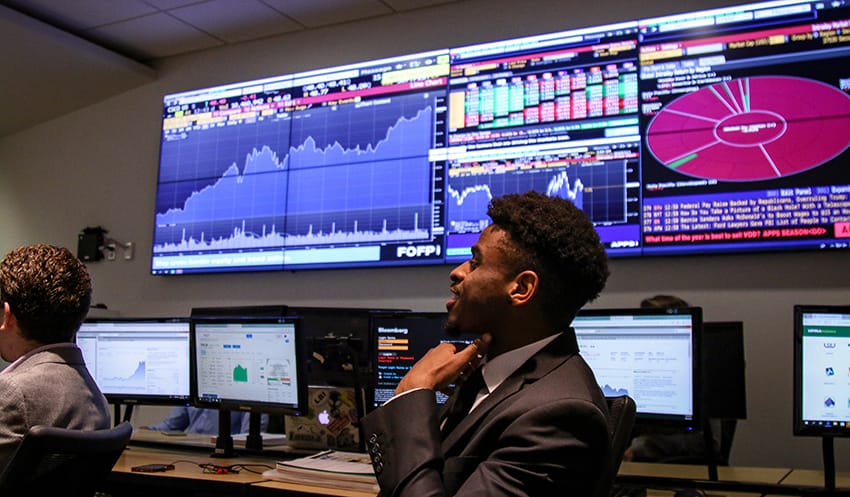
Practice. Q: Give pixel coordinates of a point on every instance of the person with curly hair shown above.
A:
(45, 294)
(528, 417)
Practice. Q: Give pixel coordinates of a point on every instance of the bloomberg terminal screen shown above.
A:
(721, 130)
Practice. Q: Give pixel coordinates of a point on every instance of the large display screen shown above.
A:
(721, 130)
(651, 355)
(822, 370)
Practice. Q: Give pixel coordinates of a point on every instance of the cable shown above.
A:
(216, 469)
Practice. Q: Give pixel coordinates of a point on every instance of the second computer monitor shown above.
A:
(822, 371)
(399, 340)
(249, 364)
(652, 355)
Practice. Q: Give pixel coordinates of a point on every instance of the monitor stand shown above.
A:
(117, 417)
(254, 442)
(710, 451)
(828, 464)
(224, 441)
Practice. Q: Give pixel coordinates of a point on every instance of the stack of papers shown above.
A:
(330, 468)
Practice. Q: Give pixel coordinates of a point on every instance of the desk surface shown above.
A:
(272, 486)
(188, 468)
(187, 475)
(814, 478)
(724, 473)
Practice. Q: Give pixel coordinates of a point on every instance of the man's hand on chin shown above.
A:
(443, 364)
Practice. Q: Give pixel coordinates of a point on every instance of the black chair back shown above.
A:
(59, 461)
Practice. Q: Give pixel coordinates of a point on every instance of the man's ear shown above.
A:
(9, 321)
(524, 287)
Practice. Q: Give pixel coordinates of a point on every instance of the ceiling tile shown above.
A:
(236, 20)
(314, 13)
(83, 14)
(154, 36)
(44, 56)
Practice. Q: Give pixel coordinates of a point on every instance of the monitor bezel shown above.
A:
(799, 428)
(145, 399)
(653, 419)
(252, 406)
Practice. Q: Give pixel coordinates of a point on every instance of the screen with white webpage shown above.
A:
(823, 371)
(138, 359)
(650, 355)
(244, 364)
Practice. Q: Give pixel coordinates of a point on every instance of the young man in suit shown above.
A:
(538, 425)
(45, 293)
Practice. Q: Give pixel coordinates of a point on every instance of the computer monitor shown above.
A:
(248, 363)
(724, 370)
(399, 340)
(138, 360)
(822, 370)
(652, 355)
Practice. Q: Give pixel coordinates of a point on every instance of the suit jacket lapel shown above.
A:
(536, 367)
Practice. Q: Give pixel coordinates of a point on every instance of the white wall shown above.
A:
(98, 166)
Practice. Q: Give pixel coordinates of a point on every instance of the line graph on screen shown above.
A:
(598, 189)
(361, 179)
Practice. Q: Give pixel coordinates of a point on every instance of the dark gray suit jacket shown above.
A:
(541, 432)
(51, 387)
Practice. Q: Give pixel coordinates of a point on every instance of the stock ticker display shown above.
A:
(715, 131)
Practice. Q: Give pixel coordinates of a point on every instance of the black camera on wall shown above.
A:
(90, 244)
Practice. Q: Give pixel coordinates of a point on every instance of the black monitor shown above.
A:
(724, 367)
(138, 360)
(248, 363)
(337, 338)
(652, 355)
(821, 373)
(399, 340)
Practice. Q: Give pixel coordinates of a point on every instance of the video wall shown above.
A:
(725, 130)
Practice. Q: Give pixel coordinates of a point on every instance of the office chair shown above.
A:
(59, 461)
(621, 420)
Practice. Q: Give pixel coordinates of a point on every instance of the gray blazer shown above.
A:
(51, 387)
(541, 432)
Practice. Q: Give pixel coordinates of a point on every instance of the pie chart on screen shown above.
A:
(752, 129)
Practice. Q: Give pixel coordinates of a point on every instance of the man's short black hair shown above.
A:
(48, 290)
(555, 239)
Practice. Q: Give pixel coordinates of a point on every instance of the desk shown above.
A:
(737, 480)
(732, 480)
(189, 480)
(689, 472)
(186, 479)
(814, 478)
(279, 488)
